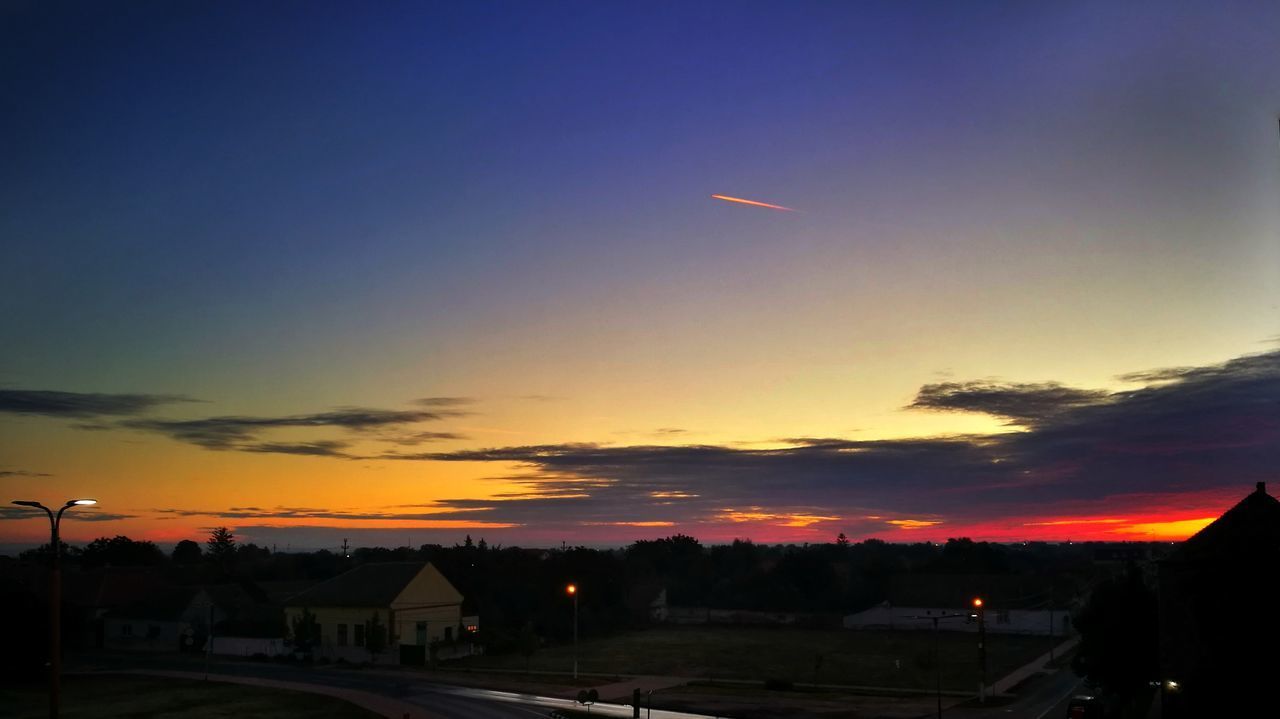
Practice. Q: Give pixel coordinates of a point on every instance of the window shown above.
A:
(1002, 616)
(420, 630)
(342, 635)
(448, 634)
(359, 634)
(126, 630)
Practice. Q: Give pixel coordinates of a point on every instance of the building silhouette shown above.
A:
(1220, 615)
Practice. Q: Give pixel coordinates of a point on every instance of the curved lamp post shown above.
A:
(55, 595)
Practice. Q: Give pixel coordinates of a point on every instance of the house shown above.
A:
(412, 600)
(175, 618)
(1218, 594)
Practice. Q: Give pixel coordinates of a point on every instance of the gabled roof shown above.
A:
(368, 585)
(166, 605)
(1251, 527)
(113, 587)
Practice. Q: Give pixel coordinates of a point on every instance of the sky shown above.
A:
(403, 272)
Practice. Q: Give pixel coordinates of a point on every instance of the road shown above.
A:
(1045, 699)
(438, 700)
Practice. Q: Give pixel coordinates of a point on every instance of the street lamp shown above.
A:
(55, 595)
(982, 648)
(572, 589)
(937, 664)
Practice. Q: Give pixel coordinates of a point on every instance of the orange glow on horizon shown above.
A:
(913, 523)
(1172, 529)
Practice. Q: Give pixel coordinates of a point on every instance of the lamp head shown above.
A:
(572, 589)
(27, 503)
(977, 602)
(82, 502)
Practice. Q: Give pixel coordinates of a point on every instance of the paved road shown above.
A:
(1047, 698)
(440, 700)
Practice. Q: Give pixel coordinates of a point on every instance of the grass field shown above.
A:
(126, 696)
(885, 659)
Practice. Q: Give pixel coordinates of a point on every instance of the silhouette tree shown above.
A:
(187, 552)
(43, 555)
(221, 543)
(304, 631)
(1119, 635)
(842, 541)
(120, 551)
(528, 642)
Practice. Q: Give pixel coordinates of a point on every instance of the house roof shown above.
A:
(368, 585)
(1250, 527)
(167, 604)
(112, 587)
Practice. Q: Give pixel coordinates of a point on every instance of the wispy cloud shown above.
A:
(80, 515)
(439, 512)
(322, 448)
(239, 432)
(1022, 404)
(416, 438)
(51, 403)
(22, 473)
(1206, 428)
(444, 401)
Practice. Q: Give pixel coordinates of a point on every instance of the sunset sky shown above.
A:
(402, 272)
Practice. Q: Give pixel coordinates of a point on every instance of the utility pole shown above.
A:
(208, 643)
(982, 649)
(937, 663)
(572, 589)
(346, 553)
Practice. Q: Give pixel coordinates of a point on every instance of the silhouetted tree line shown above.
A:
(518, 591)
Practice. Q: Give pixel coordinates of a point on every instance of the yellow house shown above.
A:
(412, 599)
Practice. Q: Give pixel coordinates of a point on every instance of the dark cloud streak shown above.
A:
(52, 403)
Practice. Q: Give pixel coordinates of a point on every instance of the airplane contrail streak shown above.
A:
(726, 198)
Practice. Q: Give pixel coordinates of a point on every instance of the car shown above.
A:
(1084, 706)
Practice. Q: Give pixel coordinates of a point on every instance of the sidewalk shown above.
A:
(1002, 686)
(384, 706)
(621, 692)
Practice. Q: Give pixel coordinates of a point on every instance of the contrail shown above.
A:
(726, 198)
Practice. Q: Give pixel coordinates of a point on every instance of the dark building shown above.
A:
(1220, 615)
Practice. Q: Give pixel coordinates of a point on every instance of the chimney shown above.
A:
(1262, 487)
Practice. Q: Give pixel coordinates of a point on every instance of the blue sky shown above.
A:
(280, 209)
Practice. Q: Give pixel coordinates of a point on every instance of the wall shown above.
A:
(1019, 621)
(703, 615)
(142, 634)
(248, 646)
